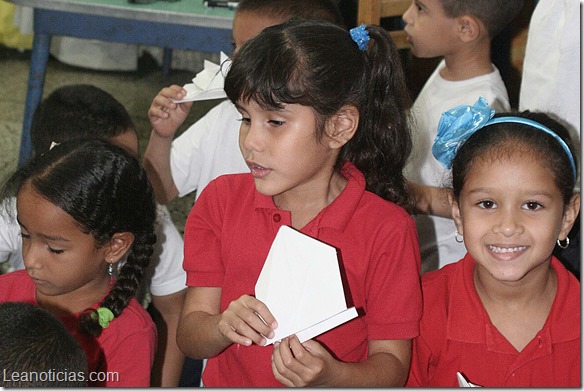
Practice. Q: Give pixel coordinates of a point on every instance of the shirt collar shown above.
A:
(338, 214)
(463, 307)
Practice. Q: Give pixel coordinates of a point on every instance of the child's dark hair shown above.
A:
(34, 341)
(78, 111)
(495, 14)
(504, 139)
(285, 10)
(318, 65)
(106, 191)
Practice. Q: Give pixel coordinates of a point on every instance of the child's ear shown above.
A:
(456, 213)
(570, 214)
(341, 127)
(470, 28)
(118, 246)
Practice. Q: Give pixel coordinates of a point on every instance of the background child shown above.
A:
(508, 313)
(82, 111)
(323, 119)
(460, 31)
(82, 207)
(209, 147)
(36, 350)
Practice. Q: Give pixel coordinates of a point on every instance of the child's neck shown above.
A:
(305, 204)
(518, 310)
(77, 300)
(466, 64)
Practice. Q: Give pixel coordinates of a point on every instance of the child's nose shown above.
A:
(251, 137)
(509, 224)
(31, 254)
(407, 16)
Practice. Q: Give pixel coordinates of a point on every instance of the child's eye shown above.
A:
(24, 235)
(532, 205)
(276, 122)
(486, 204)
(55, 251)
(245, 120)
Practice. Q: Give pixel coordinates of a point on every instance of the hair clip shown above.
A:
(104, 316)
(361, 36)
(458, 124)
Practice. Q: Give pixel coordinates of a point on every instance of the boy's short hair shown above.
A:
(495, 14)
(285, 10)
(78, 111)
(37, 350)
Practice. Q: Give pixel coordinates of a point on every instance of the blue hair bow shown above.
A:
(456, 126)
(361, 36)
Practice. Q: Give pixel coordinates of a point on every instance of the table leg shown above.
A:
(34, 92)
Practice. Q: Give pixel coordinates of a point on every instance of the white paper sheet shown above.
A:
(207, 84)
(462, 382)
(301, 285)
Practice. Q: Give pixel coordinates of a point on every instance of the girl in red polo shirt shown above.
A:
(82, 207)
(324, 133)
(508, 313)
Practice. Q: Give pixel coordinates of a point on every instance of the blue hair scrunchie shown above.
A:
(456, 126)
(361, 36)
(459, 123)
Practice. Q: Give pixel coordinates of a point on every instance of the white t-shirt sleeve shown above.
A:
(10, 240)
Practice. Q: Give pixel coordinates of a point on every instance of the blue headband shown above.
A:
(458, 124)
(361, 36)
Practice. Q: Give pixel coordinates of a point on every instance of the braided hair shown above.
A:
(106, 191)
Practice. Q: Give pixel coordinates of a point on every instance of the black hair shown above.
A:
(285, 10)
(34, 341)
(318, 65)
(495, 14)
(106, 191)
(504, 139)
(78, 111)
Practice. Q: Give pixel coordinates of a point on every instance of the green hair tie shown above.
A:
(104, 315)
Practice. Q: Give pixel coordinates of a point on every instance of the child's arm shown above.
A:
(310, 364)
(431, 200)
(204, 331)
(165, 117)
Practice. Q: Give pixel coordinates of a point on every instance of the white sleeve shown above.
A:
(10, 240)
(167, 275)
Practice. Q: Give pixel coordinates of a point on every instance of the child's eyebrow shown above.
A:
(48, 237)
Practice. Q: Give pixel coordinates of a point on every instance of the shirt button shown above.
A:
(277, 217)
(540, 342)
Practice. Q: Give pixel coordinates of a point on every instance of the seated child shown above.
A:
(83, 111)
(82, 207)
(37, 350)
(508, 313)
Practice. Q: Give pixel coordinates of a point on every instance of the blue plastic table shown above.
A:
(184, 24)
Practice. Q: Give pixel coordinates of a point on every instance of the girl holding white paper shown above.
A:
(325, 136)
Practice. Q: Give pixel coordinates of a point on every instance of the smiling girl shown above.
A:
(508, 313)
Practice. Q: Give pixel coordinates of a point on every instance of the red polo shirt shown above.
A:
(227, 238)
(456, 334)
(125, 348)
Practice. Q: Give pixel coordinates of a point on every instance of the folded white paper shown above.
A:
(301, 285)
(462, 382)
(207, 84)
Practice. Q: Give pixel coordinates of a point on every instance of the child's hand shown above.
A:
(242, 322)
(165, 115)
(307, 364)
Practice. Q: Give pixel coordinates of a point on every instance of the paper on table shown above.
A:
(462, 382)
(208, 84)
(302, 287)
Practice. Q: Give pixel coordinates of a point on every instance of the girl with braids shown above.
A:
(82, 207)
(323, 131)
